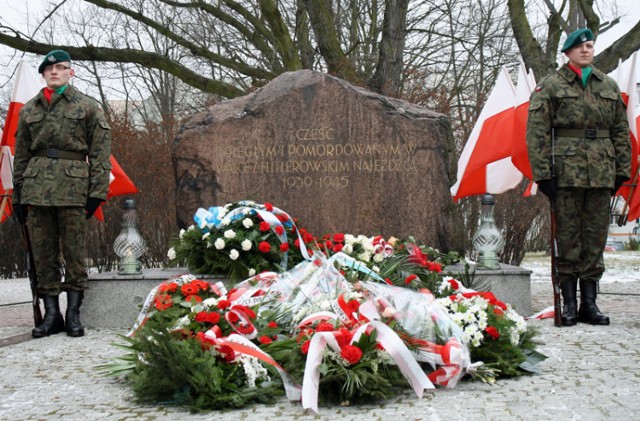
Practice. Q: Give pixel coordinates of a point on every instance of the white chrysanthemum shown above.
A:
(347, 249)
(378, 257)
(229, 234)
(206, 235)
(365, 257)
(253, 370)
(247, 222)
(233, 254)
(252, 272)
(219, 244)
(246, 245)
(191, 228)
(349, 239)
(182, 232)
(225, 221)
(376, 269)
(171, 254)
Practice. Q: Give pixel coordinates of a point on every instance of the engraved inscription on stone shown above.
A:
(338, 157)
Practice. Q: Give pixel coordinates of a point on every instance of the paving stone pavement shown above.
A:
(591, 374)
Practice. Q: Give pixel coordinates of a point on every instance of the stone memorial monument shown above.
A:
(336, 156)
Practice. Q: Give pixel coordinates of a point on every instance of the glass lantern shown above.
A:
(129, 244)
(487, 241)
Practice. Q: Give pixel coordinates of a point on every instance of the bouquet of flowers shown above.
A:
(240, 240)
(496, 334)
(193, 347)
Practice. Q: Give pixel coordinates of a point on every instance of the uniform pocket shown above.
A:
(74, 123)
(77, 173)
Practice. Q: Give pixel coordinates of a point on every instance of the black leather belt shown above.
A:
(585, 133)
(58, 154)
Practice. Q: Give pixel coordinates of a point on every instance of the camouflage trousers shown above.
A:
(582, 227)
(57, 234)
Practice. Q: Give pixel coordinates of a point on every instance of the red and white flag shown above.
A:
(485, 163)
(26, 86)
(630, 96)
(525, 86)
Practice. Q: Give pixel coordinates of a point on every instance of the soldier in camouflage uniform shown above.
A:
(61, 175)
(580, 153)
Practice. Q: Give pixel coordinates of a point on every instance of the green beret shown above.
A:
(53, 57)
(577, 38)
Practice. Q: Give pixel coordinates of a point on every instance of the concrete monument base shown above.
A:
(114, 301)
(510, 284)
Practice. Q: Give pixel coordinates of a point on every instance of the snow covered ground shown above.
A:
(621, 266)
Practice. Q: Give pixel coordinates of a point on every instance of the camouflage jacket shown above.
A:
(73, 122)
(581, 157)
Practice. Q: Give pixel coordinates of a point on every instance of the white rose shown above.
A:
(229, 234)
(233, 254)
(247, 222)
(246, 245)
(219, 244)
(171, 254)
(225, 221)
(252, 272)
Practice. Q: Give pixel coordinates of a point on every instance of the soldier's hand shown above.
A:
(92, 206)
(548, 187)
(620, 180)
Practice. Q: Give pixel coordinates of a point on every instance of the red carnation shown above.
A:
(324, 327)
(337, 247)
(493, 332)
(305, 347)
(264, 226)
(282, 217)
(268, 206)
(454, 284)
(388, 281)
(265, 340)
(410, 278)
(351, 353)
(272, 324)
(279, 230)
(222, 304)
(284, 247)
(264, 247)
(338, 238)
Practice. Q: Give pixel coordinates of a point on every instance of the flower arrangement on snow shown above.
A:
(354, 321)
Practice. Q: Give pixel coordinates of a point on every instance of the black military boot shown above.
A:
(53, 322)
(589, 312)
(569, 302)
(74, 301)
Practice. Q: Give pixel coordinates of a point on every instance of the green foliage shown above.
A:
(511, 360)
(177, 371)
